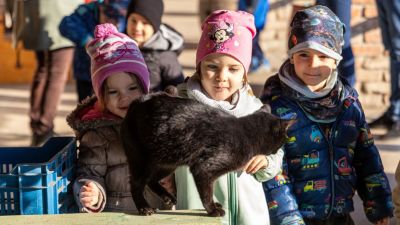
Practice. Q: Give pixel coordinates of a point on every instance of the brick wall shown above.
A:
(371, 60)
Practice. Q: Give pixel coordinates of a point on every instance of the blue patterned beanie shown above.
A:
(317, 28)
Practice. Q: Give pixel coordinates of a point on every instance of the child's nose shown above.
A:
(139, 25)
(222, 75)
(124, 97)
(315, 61)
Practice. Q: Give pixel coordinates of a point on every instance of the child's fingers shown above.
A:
(260, 162)
(90, 187)
(86, 194)
(245, 168)
(249, 166)
(89, 194)
(257, 167)
(256, 163)
(87, 202)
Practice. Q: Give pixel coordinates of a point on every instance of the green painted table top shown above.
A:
(179, 217)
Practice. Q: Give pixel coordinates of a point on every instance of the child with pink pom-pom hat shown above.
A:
(119, 75)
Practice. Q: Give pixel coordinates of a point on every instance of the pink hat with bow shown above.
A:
(227, 32)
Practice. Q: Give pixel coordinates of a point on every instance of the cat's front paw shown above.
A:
(216, 212)
(147, 211)
(218, 206)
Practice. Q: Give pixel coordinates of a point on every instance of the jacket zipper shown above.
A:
(329, 140)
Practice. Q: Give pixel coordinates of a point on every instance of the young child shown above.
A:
(119, 75)
(223, 59)
(330, 152)
(159, 43)
(79, 27)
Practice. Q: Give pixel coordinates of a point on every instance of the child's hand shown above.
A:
(384, 221)
(256, 163)
(89, 194)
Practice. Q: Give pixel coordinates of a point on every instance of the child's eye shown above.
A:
(324, 57)
(233, 70)
(134, 21)
(132, 88)
(303, 55)
(112, 92)
(212, 66)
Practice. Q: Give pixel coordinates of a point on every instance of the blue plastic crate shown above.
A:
(38, 180)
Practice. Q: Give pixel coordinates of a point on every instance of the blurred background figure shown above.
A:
(259, 8)
(206, 7)
(389, 21)
(159, 43)
(79, 26)
(343, 10)
(37, 28)
(8, 11)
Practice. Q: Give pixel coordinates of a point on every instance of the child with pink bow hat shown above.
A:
(222, 63)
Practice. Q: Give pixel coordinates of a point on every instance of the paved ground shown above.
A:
(14, 99)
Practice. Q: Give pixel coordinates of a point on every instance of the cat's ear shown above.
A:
(288, 123)
(171, 90)
(266, 108)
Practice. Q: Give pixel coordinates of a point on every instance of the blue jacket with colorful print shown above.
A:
(79, 28)
(325, 165)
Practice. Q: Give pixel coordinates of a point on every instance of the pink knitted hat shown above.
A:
(112, 52)
(227, 32)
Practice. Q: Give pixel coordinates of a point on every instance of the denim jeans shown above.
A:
(389, 21)
(48, 84)
(342, 8)
(84, 89)
(259, 8)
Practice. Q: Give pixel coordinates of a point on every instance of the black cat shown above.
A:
(161, 133)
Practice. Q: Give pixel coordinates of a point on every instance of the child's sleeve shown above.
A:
(171, 71)
(372, 184)
(273, 168)
(79, 26)
(282, 205)
(91, 166)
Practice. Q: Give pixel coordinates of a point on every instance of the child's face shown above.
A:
(313, 68)
(103, 18)
(121, 89)
(139, 28)
(221, 76)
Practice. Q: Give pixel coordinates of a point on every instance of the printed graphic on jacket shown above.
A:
(315, 135)
(343, 168)
(374, 181)
(286, 113)
(310, 161)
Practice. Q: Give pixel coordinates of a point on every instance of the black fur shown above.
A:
(161, 132)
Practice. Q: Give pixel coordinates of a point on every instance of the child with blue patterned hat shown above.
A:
(330, 152)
